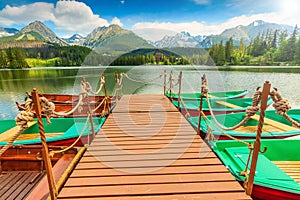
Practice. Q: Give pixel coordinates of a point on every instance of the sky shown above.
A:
(150, 19)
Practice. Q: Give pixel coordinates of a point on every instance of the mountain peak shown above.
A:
(257, 23)
(43, 32)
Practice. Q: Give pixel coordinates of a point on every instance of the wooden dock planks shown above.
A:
(147, 150)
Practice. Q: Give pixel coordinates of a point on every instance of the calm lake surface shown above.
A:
(66, 80)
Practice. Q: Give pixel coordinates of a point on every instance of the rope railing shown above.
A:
(142, 81)
(51, 153)
(251, 111)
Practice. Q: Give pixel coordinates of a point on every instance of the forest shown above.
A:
(46, 55)
(271, 48)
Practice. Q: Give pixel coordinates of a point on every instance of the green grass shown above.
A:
(34, 62)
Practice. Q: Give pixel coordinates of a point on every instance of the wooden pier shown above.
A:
(147, 150)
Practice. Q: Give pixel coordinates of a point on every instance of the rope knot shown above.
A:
(23, 118)
(85, 86)
(252, 110)
(280, 104)
(48, 108)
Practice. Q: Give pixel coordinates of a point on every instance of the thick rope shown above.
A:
(85, 86)
(142, 81)
(47, 107)
(51, 153)
(282, 106)
(79, 103)
(21, 120)
(208, 123)
(251, 110)
(101, 86)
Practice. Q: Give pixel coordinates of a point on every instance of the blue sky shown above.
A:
(152, 19)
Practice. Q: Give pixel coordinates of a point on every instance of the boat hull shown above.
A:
(60, 132)
(65, 103)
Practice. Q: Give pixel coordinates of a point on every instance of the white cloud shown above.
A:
(76, 16)
(25, 14)
(202, 28)
(202, 2)
(67, 16)
(116, 21)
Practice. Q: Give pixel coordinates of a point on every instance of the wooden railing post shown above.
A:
(256, 150)
(105, 93)
(171, 83)
(45, 152)
(179, 90)
(117, 86)
(165, 82)
(201, 104)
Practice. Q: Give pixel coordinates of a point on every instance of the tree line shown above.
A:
(271, 48)
(15, 57)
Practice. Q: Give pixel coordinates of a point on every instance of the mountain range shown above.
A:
(114, 40)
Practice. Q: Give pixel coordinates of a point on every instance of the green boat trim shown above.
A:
(218, 105)
(234, 156)
(229, 120)
(225, 94)
(60, 129)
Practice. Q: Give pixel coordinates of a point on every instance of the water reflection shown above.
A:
(14, 83)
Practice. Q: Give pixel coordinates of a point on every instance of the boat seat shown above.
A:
(10, 132)
(268, 121)
(291, 168)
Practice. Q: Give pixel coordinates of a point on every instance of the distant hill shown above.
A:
(183, 39)
(7, 31)
(35, 32)
(114, 40)
(75, 39)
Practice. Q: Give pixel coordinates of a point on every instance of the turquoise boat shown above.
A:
(275, 126)
(277, 174)
(219, 106)
(61, 131)
(196, 96)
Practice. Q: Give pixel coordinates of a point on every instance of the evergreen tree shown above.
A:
(297, 52)
(229, 49)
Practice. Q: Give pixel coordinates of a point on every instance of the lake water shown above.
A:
(66, 80)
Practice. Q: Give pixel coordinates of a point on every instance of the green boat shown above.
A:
(196, 96)
(61, 131)
(277, 174)
(275, 126)
(219, 106)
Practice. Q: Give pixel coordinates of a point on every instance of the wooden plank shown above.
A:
(148, 179)
(199, 196)
(142, 170)
(150, 189)
(180, 162)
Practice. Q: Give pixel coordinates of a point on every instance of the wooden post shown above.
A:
(165, 82)
(45, 152)
(91, 121)
(171, 83)
(117, 86)
(105, 93)
(200, 105)
(256, 150)
(179, 90)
